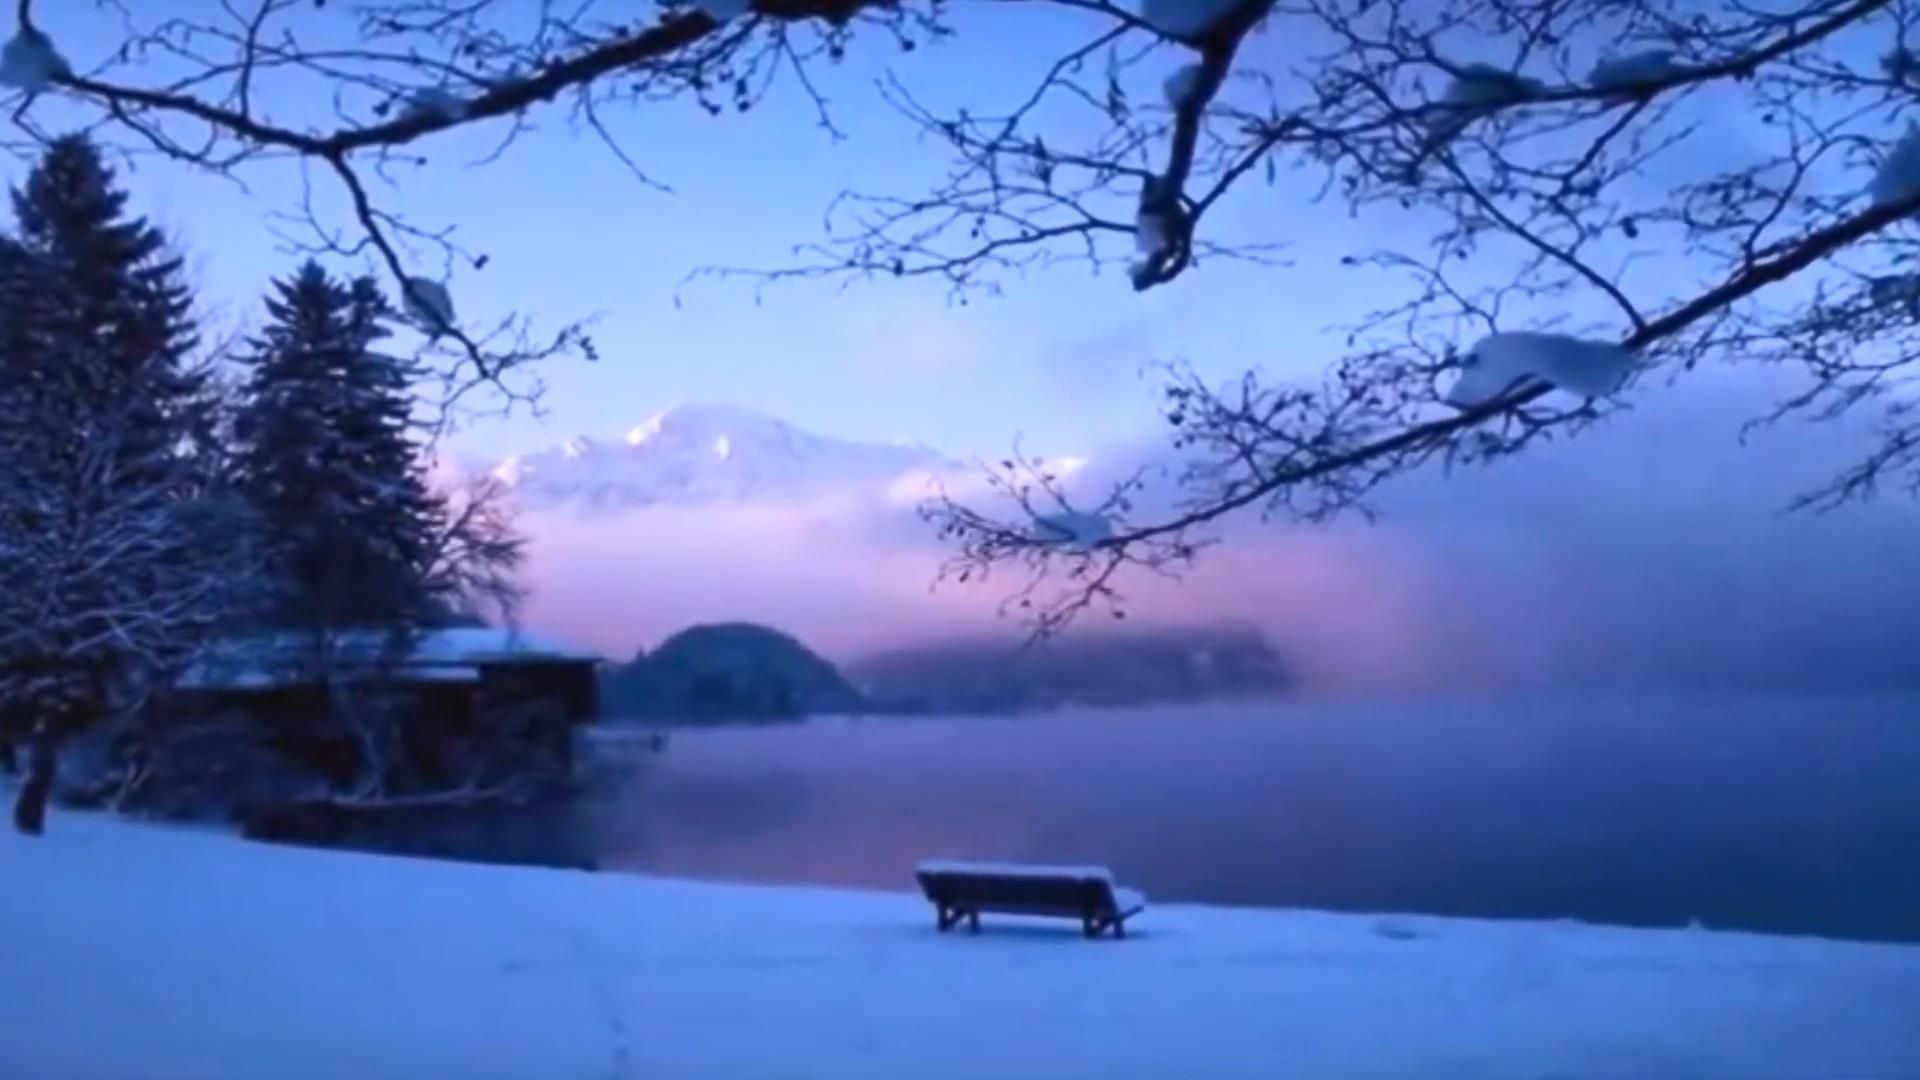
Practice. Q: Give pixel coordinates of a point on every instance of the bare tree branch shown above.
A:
(1533, 147)
(203, 89)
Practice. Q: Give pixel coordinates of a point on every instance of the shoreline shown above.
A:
(163, 953)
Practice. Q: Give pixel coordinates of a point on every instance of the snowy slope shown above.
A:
(701, 454)
(137, 952)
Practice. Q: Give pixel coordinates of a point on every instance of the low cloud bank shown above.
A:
(1652, 551)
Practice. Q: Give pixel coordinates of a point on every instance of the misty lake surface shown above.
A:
(1786, 814)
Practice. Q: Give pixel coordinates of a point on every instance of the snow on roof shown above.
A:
(999, 869)
(451, 654)
(440, 674)
(211, 677)
(220, 675)
(492, 645)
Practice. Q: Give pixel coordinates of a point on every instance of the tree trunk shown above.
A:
(30, 809)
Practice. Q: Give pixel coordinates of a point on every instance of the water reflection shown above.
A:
(1793, 815)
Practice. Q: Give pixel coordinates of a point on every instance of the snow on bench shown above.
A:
(962, 890)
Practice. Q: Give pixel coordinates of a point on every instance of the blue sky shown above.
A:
(572, 234)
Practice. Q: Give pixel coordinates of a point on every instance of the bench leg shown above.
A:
(1119, 928)
(1089, 926)
(948, 918)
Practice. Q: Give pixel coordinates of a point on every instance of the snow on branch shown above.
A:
(105, 568)
(1531, 169)
(1526, 151)
(1366, 112)
(1016, 200)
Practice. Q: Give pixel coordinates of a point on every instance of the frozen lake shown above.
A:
(1798, 815)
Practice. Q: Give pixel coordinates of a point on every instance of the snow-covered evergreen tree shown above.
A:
(120, 313)
(106, 576)
(329, 458)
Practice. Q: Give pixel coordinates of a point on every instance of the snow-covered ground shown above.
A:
(134, 952)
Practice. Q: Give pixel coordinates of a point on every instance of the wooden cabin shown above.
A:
(450, 680)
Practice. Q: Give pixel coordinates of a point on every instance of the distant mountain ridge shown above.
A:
(700, 454)
(718, 672)
(739, 671)
(1090, 667)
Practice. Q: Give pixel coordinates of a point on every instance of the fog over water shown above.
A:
(1650, 551)
(1794, 814)
(1608, 680)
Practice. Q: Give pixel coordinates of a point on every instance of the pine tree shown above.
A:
(118, 318)
(329, 460)
(104, 580)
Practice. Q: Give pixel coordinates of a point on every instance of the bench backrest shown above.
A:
(985, 889)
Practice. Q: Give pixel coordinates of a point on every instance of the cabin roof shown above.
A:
(234, 677)
(453, 654)
(495, 645)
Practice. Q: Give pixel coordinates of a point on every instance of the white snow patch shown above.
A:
(429, 304)
(1477, 91)
(1634, 69)
(1073, 528)
(437, 102)
(143, 952)
(1481, 85)
(1187, 20)
(1006, 869)
(273, 659)
(1480, 88)
(1153, 234)
(30, 62)
(1062, 468)
(702, 454)
(1898, 178)
(1498, 361)
(493, 645)
(511, 471)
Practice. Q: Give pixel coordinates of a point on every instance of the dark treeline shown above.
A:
(161, 495)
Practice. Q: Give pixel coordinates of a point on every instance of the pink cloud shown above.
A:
(1649, 550)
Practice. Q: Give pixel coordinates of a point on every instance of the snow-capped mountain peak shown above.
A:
(706, 453)
(703, 422)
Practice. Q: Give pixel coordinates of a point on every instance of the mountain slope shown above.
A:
(726, 671)
(707, 453)
(1091, 666)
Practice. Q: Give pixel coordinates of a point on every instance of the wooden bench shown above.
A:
(962, 890)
